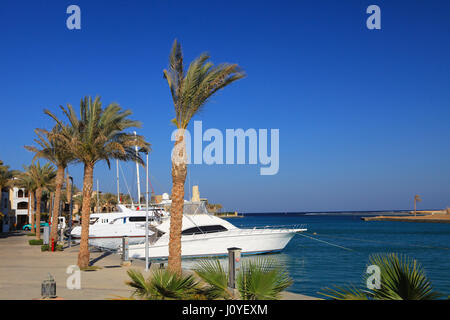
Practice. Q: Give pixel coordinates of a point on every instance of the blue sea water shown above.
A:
(314, 265)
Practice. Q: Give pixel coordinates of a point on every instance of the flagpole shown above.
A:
(117, 177)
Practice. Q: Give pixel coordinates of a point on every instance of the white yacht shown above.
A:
(204, 235)
(106, 230)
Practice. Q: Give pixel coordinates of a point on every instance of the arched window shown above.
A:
(22, 205)
(20, 193)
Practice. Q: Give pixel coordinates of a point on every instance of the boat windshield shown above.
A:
(93, 220)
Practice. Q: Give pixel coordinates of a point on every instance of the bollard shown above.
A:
(48, 287)
(234, 265)
(53, 244)
(46, 239)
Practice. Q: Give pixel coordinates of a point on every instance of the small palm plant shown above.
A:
(402, 278)
(98, 134)
(162, 285)
(43, 179)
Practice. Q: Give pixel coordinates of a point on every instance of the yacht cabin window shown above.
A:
(204, 229)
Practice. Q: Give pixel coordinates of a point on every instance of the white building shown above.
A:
(15, 208)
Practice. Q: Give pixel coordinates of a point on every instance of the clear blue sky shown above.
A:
(363, 114)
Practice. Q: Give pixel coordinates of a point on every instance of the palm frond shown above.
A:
(191, 90)
(213, 274)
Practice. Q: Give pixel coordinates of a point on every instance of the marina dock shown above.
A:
(24, 267)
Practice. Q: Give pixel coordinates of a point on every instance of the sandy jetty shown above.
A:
(431, 218)
(24, 267)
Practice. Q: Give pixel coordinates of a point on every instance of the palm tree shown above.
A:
(110, 200)
(25, 181)
(68, 189)
(190, 91)
(55, 150)
(402, 278)
(42, 177)
(97, 135)
(416, 199)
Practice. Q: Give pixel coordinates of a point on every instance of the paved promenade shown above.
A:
(24, 267)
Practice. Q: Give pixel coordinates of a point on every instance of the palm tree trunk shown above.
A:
(38, 213)
(88, 180)
(32, 196)
(179, 171)
(68, 189)
(1, 209)
(59, 183)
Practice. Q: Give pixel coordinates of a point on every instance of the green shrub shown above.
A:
(46, 247)
(91, 268)
(402, 278)
(35, 242)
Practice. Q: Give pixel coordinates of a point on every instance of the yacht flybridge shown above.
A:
(204, 234)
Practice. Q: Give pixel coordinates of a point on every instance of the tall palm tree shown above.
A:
(98, 134)
(259, 279)
(109, 200)
(54, 149)
(416, 199)
(42, 177)
(190, 91)
(6, 180)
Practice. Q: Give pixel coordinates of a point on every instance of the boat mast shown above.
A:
(146, 213)
(138, 181)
